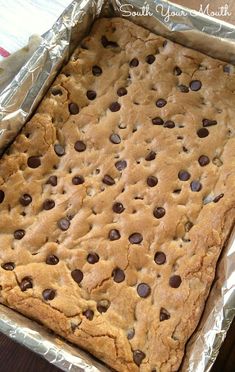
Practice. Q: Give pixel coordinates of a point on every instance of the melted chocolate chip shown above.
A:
(177, 71)
(160, 258)
(121, 91)
(118, 275)
(135, 238)
(208, 122)
(34, 162)
(202, 132)
(96, 70)
(188, 225)
(52, 180)
(25, 200)
(114, 107)
(134, 62)
(150, 156)
(59, 149)
(52, 260)
(26, 283)
(121, 164)
(138, 357)
(103, 306)
(2, 196)
(183, 88)
(89, 314)
(226, 68)
(143, 290)
(195, 85)
(91, 95)
(130, 333)
(150, 59)
(115, 138)
(114, 234)
(48, 204)
(63, 224)
(161, 102)
(92, 258)
(19, 234)
(169, 124)
(152, 181)
(56, 91)
(164, 315)
(157, 121)
(175, 281)
(203, 160)
(78, 180)
(80, 146)
(218, 197)
(195, 186)
(108, 180)
(73, 109)
(159, 212)
(108, 43)
(9, 266)
(49, 294)
(77, 275)
(184, 175)
(118, 208)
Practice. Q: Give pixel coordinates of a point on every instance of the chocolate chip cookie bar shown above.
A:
(118, 195)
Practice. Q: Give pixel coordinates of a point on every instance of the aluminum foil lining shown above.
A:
(18, 100)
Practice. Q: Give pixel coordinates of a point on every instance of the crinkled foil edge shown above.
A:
(18, 101)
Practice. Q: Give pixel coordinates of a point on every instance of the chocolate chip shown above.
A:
(2, 196)
(164, 44)
(115, 138)
(114, 234)
(195, 85)
(150, 156)
(143, 290)
(80, 146)
(108, 180)
(52, 180)
(103, 306)
(152, 181)
(183, 88)
(150, 59)
(203, 160)
(25, 200)
(118, 275)
(177, 71)
(164, 315)
(175, 281)
(114, 107)
(73, 109)
(135, 238)
(77, 275)
(78, 180)
(9, 266)
(130, 333)
(91, 95)
(108, 43)
(96, 70)
(159, 212)
(184, 175)
(92, 258)
(218, 197)
(49, 294)
(160, 258)
(226, 68)
(56, 91)
(121, 91)
(208, 122)
(121, 164)
(19, 234)
(161, 102)
(34, 162)
(59, 149)
(118, 208)
(188, 225)
(52, 260)
(138, 356)
(48, 204)
(26, 283)
(195, 186)
(63, 224)
(89, 314)
(169, 124)
(157, 121)
(134, 62)
(202, 132)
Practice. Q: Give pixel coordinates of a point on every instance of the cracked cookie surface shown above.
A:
(118, 195)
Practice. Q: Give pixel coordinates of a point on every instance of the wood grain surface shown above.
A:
(15, 358)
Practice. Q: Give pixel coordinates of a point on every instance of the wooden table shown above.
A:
(15, 358)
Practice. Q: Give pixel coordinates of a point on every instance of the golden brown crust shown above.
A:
(198, 216)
